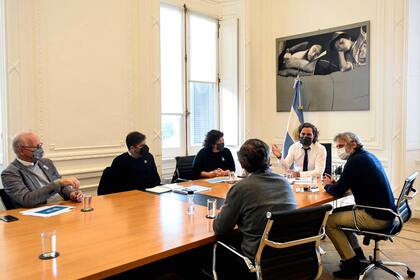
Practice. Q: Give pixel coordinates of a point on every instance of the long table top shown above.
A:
(125, 230)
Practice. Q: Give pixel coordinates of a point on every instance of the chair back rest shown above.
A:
(7, 202)
(183, 169)
(106, 182)
(403, 207)
(289, 245)
(328, 160)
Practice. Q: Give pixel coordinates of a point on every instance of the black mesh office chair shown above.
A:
(183, 169)
(401, 217)
(328, 161)
(289, 247)
(7, 202)
(106, 183)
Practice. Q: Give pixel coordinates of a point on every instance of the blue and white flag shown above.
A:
(295, 118)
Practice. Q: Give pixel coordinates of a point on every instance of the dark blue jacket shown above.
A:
(364, 175)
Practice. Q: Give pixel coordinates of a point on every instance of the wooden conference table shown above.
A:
(125, 231)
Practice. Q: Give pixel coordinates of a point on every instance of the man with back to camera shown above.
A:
(248, 201)
(135, 169)
(31, 180)
(364, 175)
(308, 156)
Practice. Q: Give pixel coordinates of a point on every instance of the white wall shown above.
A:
(413, 91)
(380, 127)
(82, 74)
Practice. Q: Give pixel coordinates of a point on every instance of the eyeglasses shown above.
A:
(33, 148)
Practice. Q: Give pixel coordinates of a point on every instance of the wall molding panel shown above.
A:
(79, 75)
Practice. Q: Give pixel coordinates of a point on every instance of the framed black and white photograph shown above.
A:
(333, 65)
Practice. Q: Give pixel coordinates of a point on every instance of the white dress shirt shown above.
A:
(317, 155)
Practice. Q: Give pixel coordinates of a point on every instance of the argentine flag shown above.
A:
(295, 119)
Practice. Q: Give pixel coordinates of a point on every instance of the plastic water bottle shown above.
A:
(190, 199)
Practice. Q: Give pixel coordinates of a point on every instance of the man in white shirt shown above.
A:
(307, 156)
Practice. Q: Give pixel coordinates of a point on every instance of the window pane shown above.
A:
(229, 115)
(171, 131)
(203, 48)
(203, 111)
(171, 59)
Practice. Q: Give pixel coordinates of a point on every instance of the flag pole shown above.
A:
(298, 82)
(295, 117)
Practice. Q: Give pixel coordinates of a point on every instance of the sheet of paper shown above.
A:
(302, 181)
(217, 180)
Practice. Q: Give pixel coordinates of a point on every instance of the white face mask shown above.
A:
(341, 152)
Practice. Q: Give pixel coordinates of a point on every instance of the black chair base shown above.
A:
(375, 262)
(383, 265)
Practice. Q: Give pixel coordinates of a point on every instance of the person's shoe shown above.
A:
(359, 254)
(349, 269)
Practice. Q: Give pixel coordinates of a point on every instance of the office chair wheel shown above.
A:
(411, 273)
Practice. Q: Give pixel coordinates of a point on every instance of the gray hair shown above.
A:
(349, 138)
(19, 141)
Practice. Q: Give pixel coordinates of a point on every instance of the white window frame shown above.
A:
(189, 149)
(193, 149)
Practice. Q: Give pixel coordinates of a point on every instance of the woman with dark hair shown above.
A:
(213, 159)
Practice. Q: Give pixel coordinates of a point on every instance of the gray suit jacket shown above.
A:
(247, 203)
(23, 187)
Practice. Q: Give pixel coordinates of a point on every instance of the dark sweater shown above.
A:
(129, 173)
(247, 203)
(364, 175)
(206, 160)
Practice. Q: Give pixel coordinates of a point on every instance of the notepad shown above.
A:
(159, 189)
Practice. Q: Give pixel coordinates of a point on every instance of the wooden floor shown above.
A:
(406, 249)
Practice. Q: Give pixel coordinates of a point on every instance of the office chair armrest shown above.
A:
(247, 261)
(355, 207)
(414, 193)
(409, 197)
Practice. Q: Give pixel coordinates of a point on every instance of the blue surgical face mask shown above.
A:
(38, 153)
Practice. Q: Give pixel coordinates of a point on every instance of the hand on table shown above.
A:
(327, 179)
(76, 196)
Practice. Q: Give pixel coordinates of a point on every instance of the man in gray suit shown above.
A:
(31, 180)
(248, 201)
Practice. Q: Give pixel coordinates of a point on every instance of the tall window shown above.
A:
(192, 101)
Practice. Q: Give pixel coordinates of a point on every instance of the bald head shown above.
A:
(24, 139)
